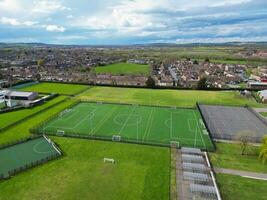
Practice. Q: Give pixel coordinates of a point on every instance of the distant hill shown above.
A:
(244, 44)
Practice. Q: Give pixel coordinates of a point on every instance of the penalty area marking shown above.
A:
(117, 120)
(35, 148)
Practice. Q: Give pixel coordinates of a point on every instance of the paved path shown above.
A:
(260, 109)
(246, 174)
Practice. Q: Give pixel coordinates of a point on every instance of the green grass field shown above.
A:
(59, 88)
(180, 98)
(140, 173)
(229, 156)
(21, 130)
(9, 118)
(124, 68)
(141, 124)
(264, 114)
(25, 153)
(236, 187)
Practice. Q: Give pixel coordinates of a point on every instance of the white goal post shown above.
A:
(60, 132)
(174, 144)
(109, 160)
(116, 138)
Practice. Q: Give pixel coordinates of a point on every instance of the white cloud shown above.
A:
(46, 6)
(55, 28)
(70, 17)
(10, 6)
(135, 20)
(15, 22)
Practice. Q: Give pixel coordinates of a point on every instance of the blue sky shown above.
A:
(132, 21)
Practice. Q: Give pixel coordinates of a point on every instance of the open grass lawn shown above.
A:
(138, 124)
(21, 130)
(124, 68)
(236, 187)
(264, 114)
(229, 156)
(9, 118)
(59, 88)
(180, 98)
(140, 173)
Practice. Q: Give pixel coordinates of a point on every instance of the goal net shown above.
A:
(116, 138)
(174, 144)
(60, 132)
(99, 102)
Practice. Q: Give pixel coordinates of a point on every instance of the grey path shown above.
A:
(253, 175)
(260, 109)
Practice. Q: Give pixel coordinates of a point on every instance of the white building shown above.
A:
(15, 98)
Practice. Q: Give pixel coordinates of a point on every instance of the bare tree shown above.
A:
(244, 138)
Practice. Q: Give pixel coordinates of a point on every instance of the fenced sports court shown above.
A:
(226, 122)
(164, 126)
(25, 154)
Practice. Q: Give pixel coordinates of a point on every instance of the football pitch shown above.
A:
(131, 123)
(24, 155)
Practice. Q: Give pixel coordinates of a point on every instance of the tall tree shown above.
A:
(150, 82)
(202, 83)
(40, 62)
(244, 138)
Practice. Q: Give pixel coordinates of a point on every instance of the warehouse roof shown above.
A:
(15, 93)
(20, 94)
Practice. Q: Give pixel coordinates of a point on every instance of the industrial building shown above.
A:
(17, 98)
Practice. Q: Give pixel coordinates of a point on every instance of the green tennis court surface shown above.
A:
(131, 123)
(25, 154)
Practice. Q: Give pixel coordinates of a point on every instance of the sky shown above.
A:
(122, 22)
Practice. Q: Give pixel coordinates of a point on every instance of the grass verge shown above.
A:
(236, 187)
(22, 130)
(9, 118)
(264, 114)
(229, 156)
(173, 184)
